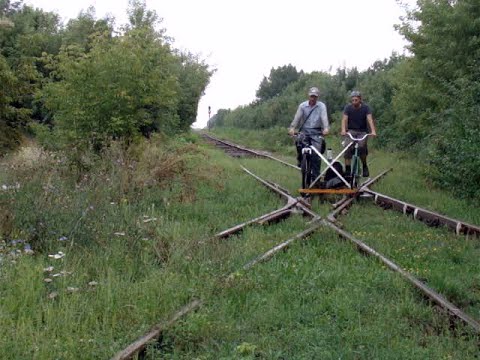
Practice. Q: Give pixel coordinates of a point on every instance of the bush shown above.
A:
(453, 148)
(10, 139)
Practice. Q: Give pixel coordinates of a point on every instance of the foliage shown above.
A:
(454, 146)
(218, 119)
(120, 87)
(91, 84)
(124, 86)
(193, 77)
(12, 117)
(24, 34)
(82, 30)
(277, 81)
(435, 102)
(423, 103)
(279, 110)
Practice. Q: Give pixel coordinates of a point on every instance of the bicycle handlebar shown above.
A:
(358, 139)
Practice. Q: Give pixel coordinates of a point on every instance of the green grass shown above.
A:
(319, 300)
(143, 233)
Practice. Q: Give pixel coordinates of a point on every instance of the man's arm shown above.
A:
(296, 121)
(344, 125)
(371, 124)
(324, 118)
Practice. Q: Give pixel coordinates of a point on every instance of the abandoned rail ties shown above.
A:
(295, 205)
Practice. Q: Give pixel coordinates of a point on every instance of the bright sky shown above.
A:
(245, 39)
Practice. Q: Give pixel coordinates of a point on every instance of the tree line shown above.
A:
(86, 82)
(424, 103)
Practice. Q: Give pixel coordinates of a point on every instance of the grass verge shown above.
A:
(130, 242)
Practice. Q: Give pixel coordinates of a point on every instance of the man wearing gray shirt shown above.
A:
(311, 121)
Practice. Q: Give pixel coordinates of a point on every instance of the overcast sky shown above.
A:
(245, 39)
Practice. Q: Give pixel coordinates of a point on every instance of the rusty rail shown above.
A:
(348, 201)
(249, 151)
(436, 297)
(272, 216)
(299, 204)
(430, 293)
(283, 246)
(139, 345)
(428, 217)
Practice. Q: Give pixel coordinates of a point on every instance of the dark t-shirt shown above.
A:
(357, 118)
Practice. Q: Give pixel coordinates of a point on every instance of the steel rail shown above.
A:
(254, 152)
(317, 222)
(340, 202)
(347, 202)
(272, 216)
(299, 204)
(282, 246)
(428, 217)
(139, 345)
(429, 292)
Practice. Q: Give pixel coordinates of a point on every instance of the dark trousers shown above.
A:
(319, 143)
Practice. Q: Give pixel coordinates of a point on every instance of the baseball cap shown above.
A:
(313, 91)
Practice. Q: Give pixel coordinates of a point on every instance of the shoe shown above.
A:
(366, 173)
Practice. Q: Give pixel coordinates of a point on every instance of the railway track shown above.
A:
(237, 151)
(295, 205)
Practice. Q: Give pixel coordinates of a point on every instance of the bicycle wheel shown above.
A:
(355, 172)
(306, 171)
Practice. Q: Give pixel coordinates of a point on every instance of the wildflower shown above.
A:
(16, 242)
(28, 249)
(57, 256)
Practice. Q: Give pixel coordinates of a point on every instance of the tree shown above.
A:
(124, 86)
(436, 99)
(82, 30)
(277, 81)
(218, 120)
(193, 77)
(12, 118)
(31, 34)
(7, 7)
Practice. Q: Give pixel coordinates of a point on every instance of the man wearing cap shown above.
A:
(311, 120)
(357, 119)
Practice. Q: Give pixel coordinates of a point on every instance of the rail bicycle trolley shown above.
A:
(349, 183)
